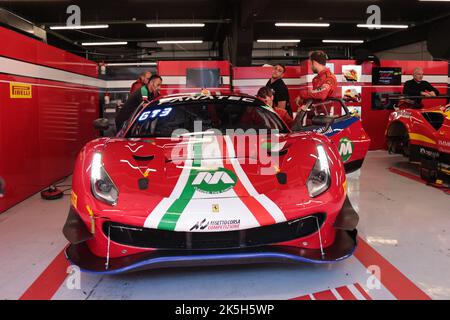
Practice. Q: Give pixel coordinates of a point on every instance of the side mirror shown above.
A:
(101, 124)
(323, 121)
(2, 187)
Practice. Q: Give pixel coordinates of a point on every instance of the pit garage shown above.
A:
(232, 150)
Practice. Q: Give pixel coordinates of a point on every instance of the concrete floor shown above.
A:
(404, 234)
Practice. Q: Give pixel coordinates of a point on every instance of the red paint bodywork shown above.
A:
(420, 131)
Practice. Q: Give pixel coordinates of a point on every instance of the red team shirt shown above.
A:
(324, 86)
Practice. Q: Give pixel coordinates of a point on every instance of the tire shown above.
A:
(398, 140)
(428, 170)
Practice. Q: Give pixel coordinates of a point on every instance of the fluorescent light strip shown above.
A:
(118, 43)
(96, 26)
(120, 64)
(179, 41)
(175, 25)
(386, 26)
(301, 24)
(343, 41)
(278, 40)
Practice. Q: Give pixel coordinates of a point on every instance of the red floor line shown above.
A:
(406, 175)
(49, 281)
(362, 291)
(345, 293)
(325, 295)
(306, 297)
(395, 281)
(418, 179)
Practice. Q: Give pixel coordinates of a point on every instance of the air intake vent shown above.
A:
(434, 118)
(163, 239)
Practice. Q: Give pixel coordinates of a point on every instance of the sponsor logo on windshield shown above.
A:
(204, 97)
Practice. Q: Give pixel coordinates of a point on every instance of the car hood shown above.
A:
(235, 181)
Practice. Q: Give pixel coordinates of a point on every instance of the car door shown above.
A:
(333, 119)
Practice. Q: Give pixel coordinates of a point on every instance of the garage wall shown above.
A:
(250, 79)
(174, 75)
(48, 100)
(375, 121)
(414, 51)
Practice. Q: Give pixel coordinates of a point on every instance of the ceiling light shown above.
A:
(389, 26)
(117, 43)
(120, 64)
(343, 41)
(301, 24)
(175, 25)
(94, 26)
(278, 40)
(179, 41)
(435, 0)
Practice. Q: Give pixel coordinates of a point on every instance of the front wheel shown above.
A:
(398, 145)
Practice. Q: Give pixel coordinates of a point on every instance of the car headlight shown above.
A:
(319, 179)
(102, 186)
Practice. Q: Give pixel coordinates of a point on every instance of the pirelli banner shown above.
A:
(20, 90)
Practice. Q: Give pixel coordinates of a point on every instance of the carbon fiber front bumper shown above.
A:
(79, 254)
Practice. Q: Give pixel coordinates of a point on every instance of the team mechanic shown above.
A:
(324, 84)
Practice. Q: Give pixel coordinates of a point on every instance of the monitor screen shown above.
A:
(386, 76)
(202, 78)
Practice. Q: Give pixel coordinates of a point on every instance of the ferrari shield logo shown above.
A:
(215, 208)
(218, 181)
(345, 149)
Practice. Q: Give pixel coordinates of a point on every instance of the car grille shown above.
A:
(164, 239)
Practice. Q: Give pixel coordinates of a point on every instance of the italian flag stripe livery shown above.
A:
(212, 177)
(260, 213)
(169, 220)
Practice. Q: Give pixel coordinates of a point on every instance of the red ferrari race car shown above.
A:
(423, 135)
(333, 119)
(198, 179)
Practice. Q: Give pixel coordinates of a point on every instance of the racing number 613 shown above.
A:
(155, 113)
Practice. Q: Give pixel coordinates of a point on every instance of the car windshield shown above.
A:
(168, 118)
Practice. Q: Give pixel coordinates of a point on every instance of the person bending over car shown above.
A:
(266, 95)
(324, 84)
(147, 92)
(141, 81)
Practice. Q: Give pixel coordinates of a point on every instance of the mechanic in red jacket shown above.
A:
(141, 81)
(324, 84)
(266, 95)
